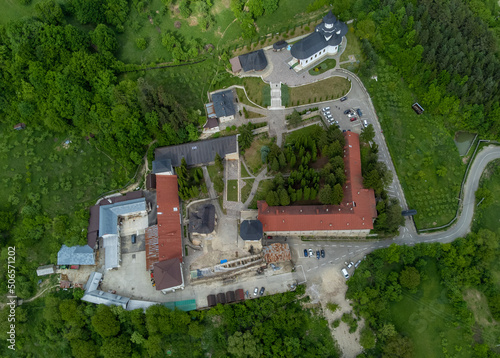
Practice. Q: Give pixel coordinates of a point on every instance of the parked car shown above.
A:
(365, 122)
(329, 117)
(317, 254)
(255, 291)
(350, 264)
(345, 273)
(347, 111)
(359, 112)
(326, 109)
(134, 238)
(305, 252)
(326, 114)
(269, 237)
(322, 253)
(343, 99)
(357, 264)
(262, 290)
(353, 119)
(311, 253)
(343, 130)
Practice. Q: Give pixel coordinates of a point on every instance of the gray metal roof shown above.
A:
(108, 214)
(251, 230)
(316, 41)
(162, 165)
(138, 304)
(111, 246)
(76, 255)
(196, 153)
(93, 281)
(253, 61)
(109, 299)
(223, 103)
(45, 270)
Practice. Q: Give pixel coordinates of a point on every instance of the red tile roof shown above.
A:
(356, 212)
(169, 219)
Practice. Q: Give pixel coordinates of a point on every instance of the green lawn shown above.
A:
(244, 172)
(247, 189)
(331, 88)
(486, 216)
(252, 155)
(262, 189)
(324, 66)
(427, 161)
(427, 318)
(212, 172)
(232, 190)
(478, 304)
(310, 131)
(14, 10)
(353, 47)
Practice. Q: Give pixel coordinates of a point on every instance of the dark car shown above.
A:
(347, 111)
(344, 130)
(343, 99)
(359, 112)
(322, 253)
(269, 237)
(134, 238)
(305, 252)
(317, 254)
(353, 119)
(262, 291)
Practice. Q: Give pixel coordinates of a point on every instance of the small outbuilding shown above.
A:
(19, 126)
(230, 297)
(45, 270)
(417, 108)
(221, 298)
(280, 45)
(251, 230)
(240, 295)
(212, 300)
(76, 255)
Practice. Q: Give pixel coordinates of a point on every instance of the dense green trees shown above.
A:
(253, 328)
(388, 274)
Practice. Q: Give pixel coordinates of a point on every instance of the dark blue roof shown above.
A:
(223, 103)
(253, 61)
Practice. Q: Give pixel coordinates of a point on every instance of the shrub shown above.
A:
(141, 43)
(307, 28)
(336, 323)
(332, 306)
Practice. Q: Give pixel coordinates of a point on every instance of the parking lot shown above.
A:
(337, 110)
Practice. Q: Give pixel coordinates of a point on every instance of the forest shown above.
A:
(426, 285)
(61, 325)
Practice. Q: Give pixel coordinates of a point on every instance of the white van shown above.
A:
(365, 122)
(345, 273)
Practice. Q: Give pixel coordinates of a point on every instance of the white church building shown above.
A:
(325, 40)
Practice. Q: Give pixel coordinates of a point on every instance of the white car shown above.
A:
(326, 114)
(326, 109)
(357, 264)
(329, 117)
(311, 253)
(351, 264)
(255, 291)
(345, 273)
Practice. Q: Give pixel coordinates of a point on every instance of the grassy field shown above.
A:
(324, 66)
(426, 158)
(14, 10)
(252, 155)
(212, 172)
(309, 131)
(486, 326)
(487, 216)
(353, 47)
(244, 172)
(262, 189)
(427, 318)
(331, 88)
(232, 190)
(246, 190)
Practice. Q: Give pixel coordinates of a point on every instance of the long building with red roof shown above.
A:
(169, 218)
(353, 217)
